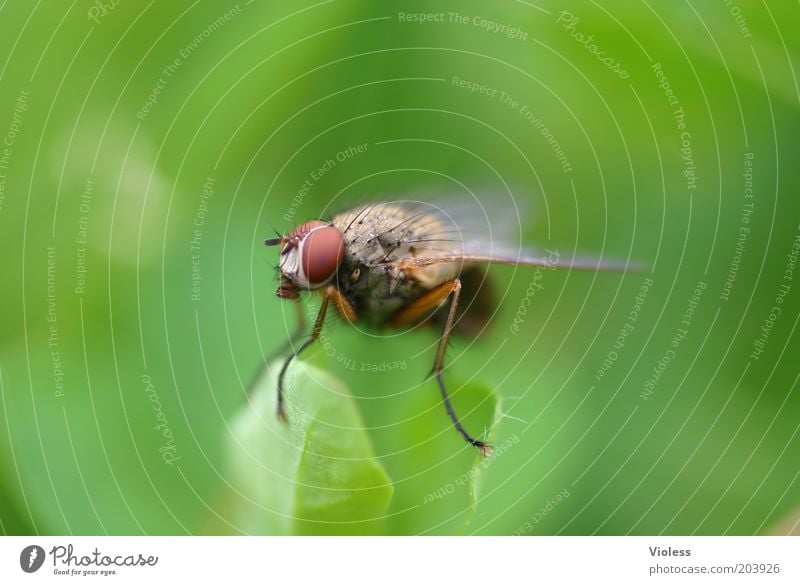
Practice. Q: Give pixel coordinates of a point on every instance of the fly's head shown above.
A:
(310, 257)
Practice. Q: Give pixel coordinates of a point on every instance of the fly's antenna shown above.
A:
(276, 240)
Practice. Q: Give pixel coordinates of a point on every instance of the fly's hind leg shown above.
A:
(423, 306)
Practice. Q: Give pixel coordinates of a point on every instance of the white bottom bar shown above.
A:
(446, 560)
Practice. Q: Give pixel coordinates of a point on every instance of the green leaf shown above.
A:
(433, 467)
(316, 474)
(478, 472)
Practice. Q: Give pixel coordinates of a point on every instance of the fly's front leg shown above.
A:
(423, 306)
(312, 338)
(299, 331)
(343, 306)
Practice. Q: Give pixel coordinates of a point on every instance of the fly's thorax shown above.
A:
(386, 232)
(381, 241)
(356, 279)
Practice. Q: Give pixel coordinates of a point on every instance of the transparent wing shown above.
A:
(431, 228)
(454, 230)
(552, 259)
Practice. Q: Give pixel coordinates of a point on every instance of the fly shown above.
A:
(402, 263)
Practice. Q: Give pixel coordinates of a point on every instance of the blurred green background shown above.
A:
(150, 147)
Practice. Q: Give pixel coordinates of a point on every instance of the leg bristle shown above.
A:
(485, 448)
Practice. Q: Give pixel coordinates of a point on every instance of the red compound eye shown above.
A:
(323, 251)
(306, 227)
